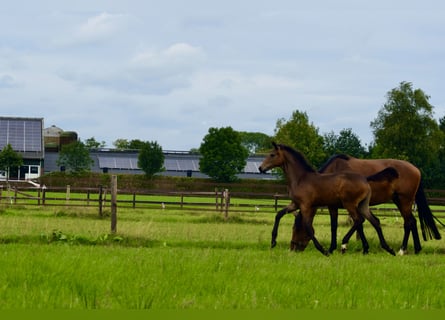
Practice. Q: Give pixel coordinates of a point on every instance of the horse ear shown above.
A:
(275, 145)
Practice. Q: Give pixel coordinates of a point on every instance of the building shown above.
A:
(25, 135)
(40, 148)
(176, 163)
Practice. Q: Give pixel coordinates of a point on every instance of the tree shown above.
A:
(298, 133)
(346, 142)
(75, 157)
(437, 174)
(121, 144)
(405, 128)
(151, 158)
(255, 141)
(124, 144)
(91, 143)
(9, 159)
(223, 155)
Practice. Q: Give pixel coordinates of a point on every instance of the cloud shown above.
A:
(178, 57)
(96, 29)
(7, 81)
(149, 72)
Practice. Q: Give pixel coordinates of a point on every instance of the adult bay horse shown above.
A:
(407, 190)
(310, 189)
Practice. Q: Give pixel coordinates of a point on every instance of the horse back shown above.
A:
(334, 189)
(406, 184)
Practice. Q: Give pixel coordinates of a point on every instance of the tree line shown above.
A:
(404, 128)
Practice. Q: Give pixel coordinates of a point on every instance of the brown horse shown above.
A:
(406, 190)
(384, 182)
(309, 190)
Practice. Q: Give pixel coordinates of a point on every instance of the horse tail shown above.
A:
(426, 217)
(387, 174)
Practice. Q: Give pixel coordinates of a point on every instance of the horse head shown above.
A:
(300, 238)
(274, 159)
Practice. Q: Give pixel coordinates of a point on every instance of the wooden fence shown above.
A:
(220, 200)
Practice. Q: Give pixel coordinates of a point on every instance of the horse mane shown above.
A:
(299, 157)
(341, 156)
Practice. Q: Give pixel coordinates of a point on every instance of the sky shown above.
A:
(167, 71)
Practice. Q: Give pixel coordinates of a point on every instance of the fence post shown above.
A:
(216, 199)
(134, 199)
(226, 203)
(38, 197)
(1, 189)
(43, 195)
(276, 202)
(113, 203)
(222, 202)
(100, 201)
(68, 192)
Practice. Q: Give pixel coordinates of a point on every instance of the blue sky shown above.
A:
(167, 71)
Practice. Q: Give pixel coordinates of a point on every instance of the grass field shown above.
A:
(62, 258)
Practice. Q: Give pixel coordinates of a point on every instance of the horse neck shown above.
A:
(293, 169)
(338, 165)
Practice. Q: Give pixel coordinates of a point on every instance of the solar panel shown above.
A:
(181, 164)
(24, 135)
(252, 167)
(171, 163)
(118, 162)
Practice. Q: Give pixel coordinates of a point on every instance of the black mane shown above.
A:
(341, 156)
(299, 156)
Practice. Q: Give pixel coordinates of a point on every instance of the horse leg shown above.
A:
(307, 223)
(357, 226)
(409, 225)
(333, 213)
(291, 207)
(376, 224)
(416, 238)
(365, 243)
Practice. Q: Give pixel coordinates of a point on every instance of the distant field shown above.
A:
(61, 257)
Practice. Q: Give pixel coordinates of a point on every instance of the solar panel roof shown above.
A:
(125, 162)
(23, 134)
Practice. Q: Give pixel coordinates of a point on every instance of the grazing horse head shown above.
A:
(300, 238)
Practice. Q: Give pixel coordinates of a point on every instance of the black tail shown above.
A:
(426, 217)
(388, 174)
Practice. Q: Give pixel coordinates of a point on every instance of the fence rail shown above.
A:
(218, 200)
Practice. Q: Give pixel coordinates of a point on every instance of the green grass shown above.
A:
(62, 258)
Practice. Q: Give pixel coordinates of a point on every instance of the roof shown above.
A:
(25, 135)
(176, 164)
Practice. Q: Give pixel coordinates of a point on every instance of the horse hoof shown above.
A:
(273, 244)
(344, 247)
(402, 252)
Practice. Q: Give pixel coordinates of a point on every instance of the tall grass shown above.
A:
(66, 258)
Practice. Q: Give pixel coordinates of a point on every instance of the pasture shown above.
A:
(65, 258)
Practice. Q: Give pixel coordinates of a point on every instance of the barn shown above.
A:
(40, 148)
(176, 163)
(25, 135)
